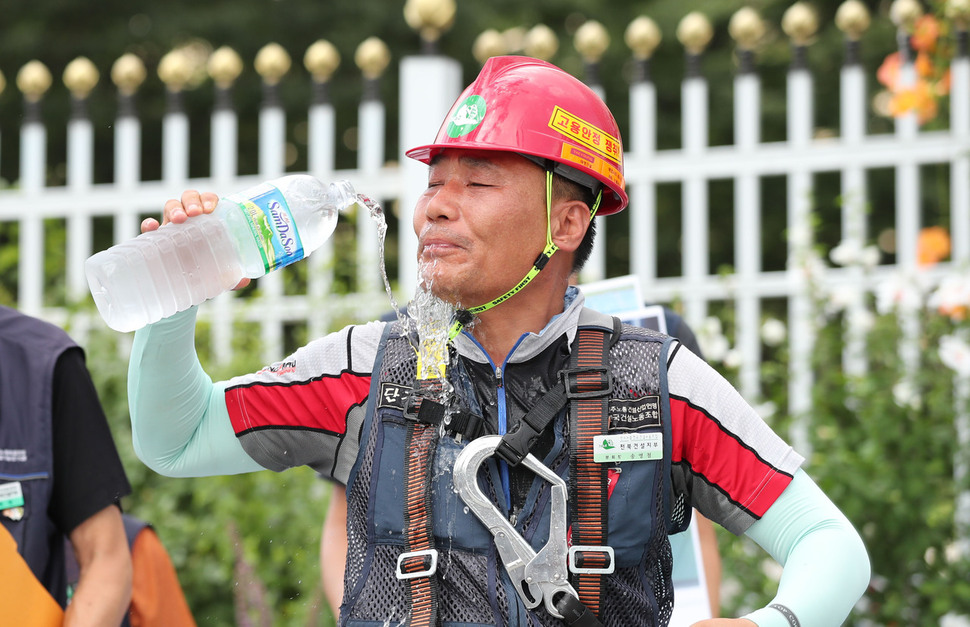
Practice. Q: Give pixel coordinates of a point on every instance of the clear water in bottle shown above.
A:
(176, 266)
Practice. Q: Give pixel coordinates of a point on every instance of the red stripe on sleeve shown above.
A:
(722, 460)
(320, 404)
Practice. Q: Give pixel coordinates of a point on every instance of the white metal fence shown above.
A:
(429, 85)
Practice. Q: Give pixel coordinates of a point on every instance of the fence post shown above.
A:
(907, 184)
(127, 73)
(224, 67)
(960, 225)
(429, 85)
(34, 79)
(80, 77)
(591, 41)
(272, 63)
(800, 308)
(695, 32)
(321, 60)
(643, 36)
(372, 58)
(800, 24)
(960, 165)
(853, 20)
(174, 70)
(747, 28)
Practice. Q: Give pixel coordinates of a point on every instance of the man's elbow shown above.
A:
(165, 465)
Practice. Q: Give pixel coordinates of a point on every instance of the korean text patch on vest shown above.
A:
(393, 395)
(636, 414)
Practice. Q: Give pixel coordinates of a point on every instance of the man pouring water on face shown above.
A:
(511, 458)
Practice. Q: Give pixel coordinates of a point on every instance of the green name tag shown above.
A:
(628, 447)
(11, 495)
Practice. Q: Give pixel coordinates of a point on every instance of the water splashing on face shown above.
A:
(428, 315)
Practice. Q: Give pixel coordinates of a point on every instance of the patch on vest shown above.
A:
(393, 396)
(13, 455)
(633, 415)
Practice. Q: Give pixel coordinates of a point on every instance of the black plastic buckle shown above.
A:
(570, 380)
(424, 410)
(466, 424)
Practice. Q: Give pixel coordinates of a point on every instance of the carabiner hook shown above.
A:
(539, 577)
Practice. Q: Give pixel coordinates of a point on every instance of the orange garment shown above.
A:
(156, 596)
(25, 601)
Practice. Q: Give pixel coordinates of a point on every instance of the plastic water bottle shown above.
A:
(176, 266)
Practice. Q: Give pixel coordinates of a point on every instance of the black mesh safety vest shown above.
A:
(473, 585)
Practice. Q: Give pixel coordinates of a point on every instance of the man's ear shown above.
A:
(569, 224)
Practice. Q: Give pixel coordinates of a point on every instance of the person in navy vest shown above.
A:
(60, 474)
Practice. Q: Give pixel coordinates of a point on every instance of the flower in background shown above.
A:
(732, 358)
(846, 253)
(920, 92)
(932, 246)
(773, 332)
(952, 297)
(907, 395)
(712, 341)
(898, 293)
(955, 354)
(952, 619)
(861, 320)
(850, 252)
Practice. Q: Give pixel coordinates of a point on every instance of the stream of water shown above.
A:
(427, 314)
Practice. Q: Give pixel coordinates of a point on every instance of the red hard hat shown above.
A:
(528, 106)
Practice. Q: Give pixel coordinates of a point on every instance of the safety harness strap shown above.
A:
(419, 563)
(590, 557)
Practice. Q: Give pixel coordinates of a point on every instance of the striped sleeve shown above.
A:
(302, 410)
(723, 454)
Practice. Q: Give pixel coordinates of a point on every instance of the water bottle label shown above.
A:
(272, 226)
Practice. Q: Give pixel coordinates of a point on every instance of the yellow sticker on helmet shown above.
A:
(586, 134)
(591, 161)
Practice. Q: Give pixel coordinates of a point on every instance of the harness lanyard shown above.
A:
(419, 563)
(590, 557)
(465, 316)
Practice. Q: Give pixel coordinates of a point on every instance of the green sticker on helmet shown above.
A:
(467, 116)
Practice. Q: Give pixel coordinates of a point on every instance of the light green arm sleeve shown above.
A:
(826, 567)
(179, 423)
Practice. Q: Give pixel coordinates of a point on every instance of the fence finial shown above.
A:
(175, 70)
(3, 82)
(80, 77)
(321, 60)
(642, 36)
(372, 57)
(959, 12)
(430, 18)
(34, 79)
(591, 41)
(224, 67)
(800, 23)
(852, 18)
(904, 14)
(488, 44)
(746, 28)
(694, 32)
(272, 63)
(541, 42)
(128, 73)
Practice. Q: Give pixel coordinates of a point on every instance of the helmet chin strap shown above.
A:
(464, 317)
